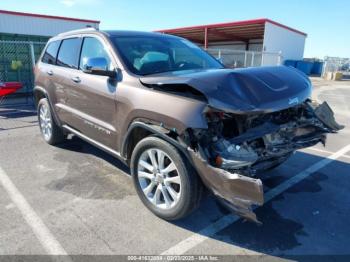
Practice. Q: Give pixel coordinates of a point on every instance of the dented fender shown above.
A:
(240, 193)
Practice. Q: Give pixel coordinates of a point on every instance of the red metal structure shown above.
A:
(233, 31)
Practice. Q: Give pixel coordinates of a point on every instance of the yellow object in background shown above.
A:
(335, 76)
(16, 64)
(338, 76)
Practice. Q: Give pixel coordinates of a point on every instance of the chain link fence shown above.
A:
(336, 68)
(336, 64)
(17, 60)
(242, 58)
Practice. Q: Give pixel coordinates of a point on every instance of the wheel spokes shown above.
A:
(45, 121)
(156, 196)
(172, 192)
(145, 175)
(174, 179)
(152, 157)
(160, 159)
(166, 196)
(148, 189)
(48, 131)
(144, 164)
(171, 167)
(42, 117)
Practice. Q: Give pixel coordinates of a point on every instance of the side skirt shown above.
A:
(94, 142)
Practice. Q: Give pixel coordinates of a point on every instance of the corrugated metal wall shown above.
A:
(40, 26)
(290, 43)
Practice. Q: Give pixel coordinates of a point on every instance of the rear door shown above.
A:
(44, 74)
(93, 96)
(63, 73)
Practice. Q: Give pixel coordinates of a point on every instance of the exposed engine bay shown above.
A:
(233, 150)
(247, 144)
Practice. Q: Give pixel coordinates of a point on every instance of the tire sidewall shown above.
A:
(174, 154)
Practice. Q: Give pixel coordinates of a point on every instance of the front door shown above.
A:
(94, 95)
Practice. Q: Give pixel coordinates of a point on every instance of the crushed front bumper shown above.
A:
(239, 193)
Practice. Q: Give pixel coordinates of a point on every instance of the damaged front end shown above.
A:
(233, 150)
(256, 118)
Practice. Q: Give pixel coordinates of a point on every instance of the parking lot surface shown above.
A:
(75, 199)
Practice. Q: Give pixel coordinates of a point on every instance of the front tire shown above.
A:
(50, 131)
(165, 182)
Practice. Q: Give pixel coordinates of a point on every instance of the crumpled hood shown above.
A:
(260, 89)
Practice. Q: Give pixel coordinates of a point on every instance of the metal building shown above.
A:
(247, 43)
(22, 38)
(27, 26)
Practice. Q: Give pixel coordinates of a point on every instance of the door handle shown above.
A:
(49, 72)
(76, 79)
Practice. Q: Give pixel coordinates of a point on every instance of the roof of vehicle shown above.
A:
(110, 33)
(134, 33)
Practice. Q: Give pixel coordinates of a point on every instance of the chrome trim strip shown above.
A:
(92, 141)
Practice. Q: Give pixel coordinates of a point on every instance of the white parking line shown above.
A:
(227, 220)
(43, 234)
(323, 151)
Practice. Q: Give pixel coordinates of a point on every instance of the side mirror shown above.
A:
(98, 66)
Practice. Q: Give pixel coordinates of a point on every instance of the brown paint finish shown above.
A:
(170, 111)
(104, 109)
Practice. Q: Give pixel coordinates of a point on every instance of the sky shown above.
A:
(323, 20)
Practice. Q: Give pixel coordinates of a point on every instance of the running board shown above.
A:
(94, 142)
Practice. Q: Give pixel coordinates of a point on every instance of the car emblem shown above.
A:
(294, 100)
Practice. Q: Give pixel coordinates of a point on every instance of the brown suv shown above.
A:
(175, 115)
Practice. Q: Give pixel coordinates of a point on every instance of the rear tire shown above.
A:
(168, 186)
(50, 131)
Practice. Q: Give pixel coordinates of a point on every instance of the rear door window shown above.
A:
(50, 54)
(68, 55)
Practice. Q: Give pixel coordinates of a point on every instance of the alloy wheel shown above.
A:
(159, 178)
(45, 121)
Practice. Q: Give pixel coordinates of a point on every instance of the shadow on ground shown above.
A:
(16, 118)
(14, 111)
(101, 177)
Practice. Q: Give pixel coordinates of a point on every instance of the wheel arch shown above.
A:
(139, 130)
(40, 93)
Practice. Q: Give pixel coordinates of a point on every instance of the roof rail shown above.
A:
(82, 30)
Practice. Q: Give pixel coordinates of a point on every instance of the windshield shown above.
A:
(146, 55)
